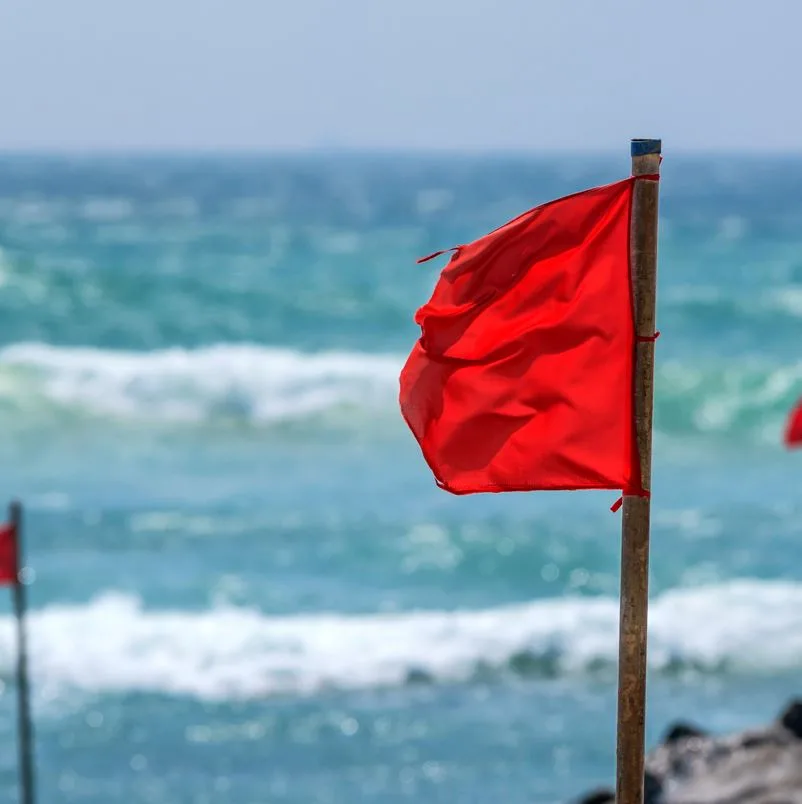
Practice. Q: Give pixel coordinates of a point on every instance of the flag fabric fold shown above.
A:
(793, 430)
(8, 554)
(522, 378)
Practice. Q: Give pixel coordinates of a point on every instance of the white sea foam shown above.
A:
(113, 644)
(747, 399)
(786, 299)
(248, 382)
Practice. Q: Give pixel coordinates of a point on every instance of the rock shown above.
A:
(680, 730)
(601, 796)
(757, 766)
(791, 718)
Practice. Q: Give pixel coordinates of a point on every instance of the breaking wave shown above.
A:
(114, 644)
(264, 386)
(250, 383)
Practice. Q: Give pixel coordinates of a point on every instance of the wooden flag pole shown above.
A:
(636, 511)
(24, 727)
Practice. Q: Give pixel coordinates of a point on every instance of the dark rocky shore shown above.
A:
(758, 766)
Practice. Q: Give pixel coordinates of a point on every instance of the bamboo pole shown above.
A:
(636, 512)
(24, 726)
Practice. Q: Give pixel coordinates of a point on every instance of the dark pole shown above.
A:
(24, 726)
(636, 514)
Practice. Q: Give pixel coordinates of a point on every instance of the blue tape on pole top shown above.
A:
(646, 147)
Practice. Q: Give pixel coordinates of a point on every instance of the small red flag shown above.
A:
(793, 430)
(8, 554)
(522, 378)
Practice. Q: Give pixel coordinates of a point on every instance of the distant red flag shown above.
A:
(522, 378)
(793, 431)
(8, 554)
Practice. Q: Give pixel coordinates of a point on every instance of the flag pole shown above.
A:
(636, 511)
(24, 726)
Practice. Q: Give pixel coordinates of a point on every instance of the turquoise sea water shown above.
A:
(247, 587)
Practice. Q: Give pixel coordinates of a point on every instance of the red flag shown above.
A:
(793, 431)
(522, 378)
(8, 554)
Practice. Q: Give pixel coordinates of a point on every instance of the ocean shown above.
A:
(244, 584)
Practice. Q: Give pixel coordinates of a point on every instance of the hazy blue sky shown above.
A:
(413, 73)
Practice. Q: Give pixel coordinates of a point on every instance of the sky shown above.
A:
(704, 75)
